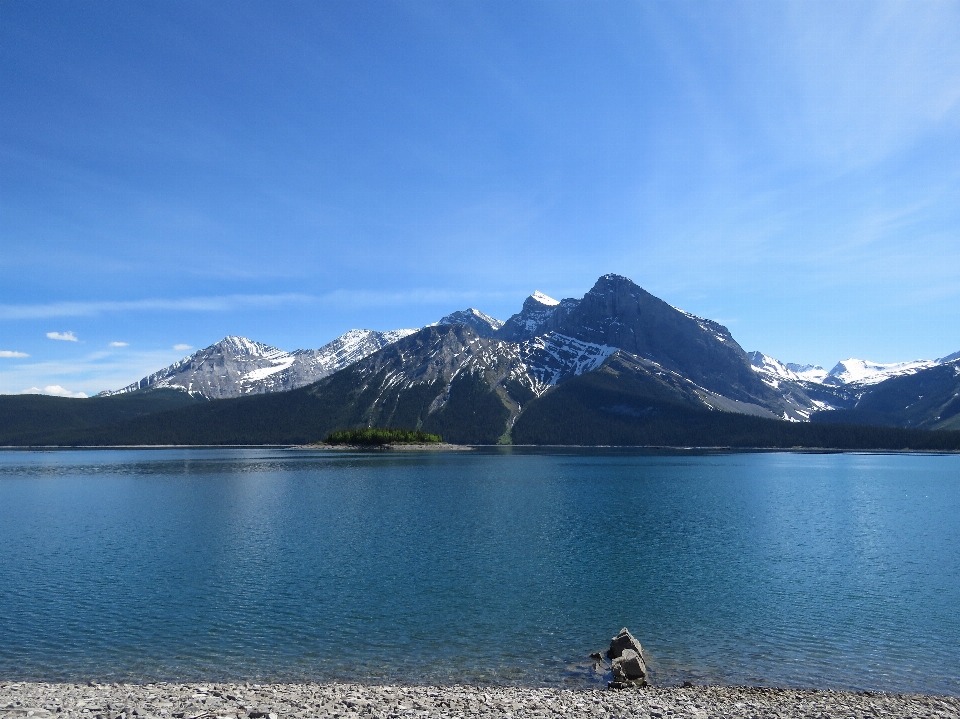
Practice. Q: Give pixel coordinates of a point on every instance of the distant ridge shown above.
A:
(616, 366)
(237, 366)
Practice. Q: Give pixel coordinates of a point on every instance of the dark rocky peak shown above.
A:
(950, 358)
(484, 325)
(618, 313)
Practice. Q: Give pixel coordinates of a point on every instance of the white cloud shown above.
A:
(119, 344)
(55, 390)
(182, 347)
(11, 353)
(63, 336)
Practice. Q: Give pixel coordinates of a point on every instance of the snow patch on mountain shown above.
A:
(553, 357)
(865, 372)
(544, 299)
(773, 370)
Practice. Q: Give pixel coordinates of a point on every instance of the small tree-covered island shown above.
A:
(379, 437)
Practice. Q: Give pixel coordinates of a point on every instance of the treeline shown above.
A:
(27, 419)
(597, 409)
(376, 436)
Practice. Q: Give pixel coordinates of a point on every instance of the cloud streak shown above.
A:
(222, 303)
(375, 298)
(11, 353)
(56, 391)
(227, 303)
(62, 336)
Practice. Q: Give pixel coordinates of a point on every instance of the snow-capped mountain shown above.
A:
(237, 366)
(533, 319)
(852, 373)
(773, 370)
(483, 325)
(855, 387)
(864, 372)
(618, 314)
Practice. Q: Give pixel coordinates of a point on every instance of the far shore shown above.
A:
(446, 447)
(274, 701)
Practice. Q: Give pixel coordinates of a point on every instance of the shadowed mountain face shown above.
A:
(617, 313)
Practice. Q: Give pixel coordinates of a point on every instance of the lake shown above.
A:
(501, 566)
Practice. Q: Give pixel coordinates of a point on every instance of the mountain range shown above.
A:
(617, 366)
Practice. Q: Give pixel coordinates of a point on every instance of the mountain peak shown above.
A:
(864, 372)
(483, 324)
(543, 299)
(242, 347)
(611, 278)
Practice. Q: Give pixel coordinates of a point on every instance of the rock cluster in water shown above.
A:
(26, 700)
(626, 661)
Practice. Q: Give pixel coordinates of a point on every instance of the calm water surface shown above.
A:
(777, 569)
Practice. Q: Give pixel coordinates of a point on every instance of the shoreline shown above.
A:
(245, 700)
(471, 447)
(397, 447)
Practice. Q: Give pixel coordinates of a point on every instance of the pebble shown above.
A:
(20, 700)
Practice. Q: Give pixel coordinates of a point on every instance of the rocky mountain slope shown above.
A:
(237, 366)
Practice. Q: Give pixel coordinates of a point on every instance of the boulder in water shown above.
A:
(626, 656)
(623, 640)
(629, 667)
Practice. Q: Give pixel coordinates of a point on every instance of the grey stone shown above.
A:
(624, 640)
(629, 666)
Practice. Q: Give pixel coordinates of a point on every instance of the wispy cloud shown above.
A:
(119, 344)
(222, 303)
(182, 347)
(11, 353)
(89, 374)
(226, 303)
(376, 298)
(62, 336)
(54, 390)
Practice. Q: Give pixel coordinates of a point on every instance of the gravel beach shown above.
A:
(274, 701)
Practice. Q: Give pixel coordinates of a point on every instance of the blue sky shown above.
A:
(171, 173)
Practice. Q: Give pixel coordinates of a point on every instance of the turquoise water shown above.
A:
(838, 570)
